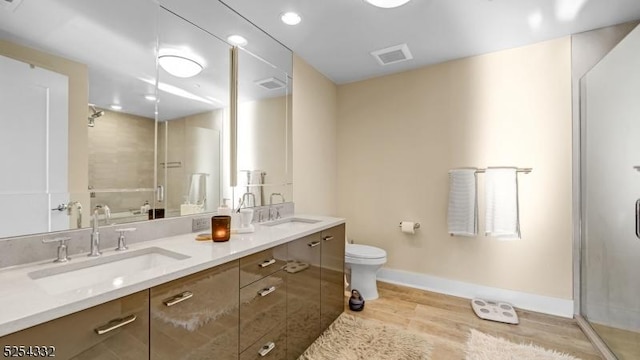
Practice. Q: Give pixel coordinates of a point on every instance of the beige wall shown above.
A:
(398, 136)
(314, 141)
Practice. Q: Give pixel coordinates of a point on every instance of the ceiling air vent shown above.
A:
(392, 55)
(271, 83)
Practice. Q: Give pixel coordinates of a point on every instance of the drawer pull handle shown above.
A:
(314, 243)
(327, 238)
(178, 298)
(266, 348)
(266, 291)
(266, 263)
(114, 324)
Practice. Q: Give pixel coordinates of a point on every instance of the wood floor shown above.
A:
(447, 320)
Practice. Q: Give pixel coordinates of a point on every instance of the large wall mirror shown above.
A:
(92, 119)
(77, 119)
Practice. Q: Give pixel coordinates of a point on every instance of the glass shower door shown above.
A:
(610, 279)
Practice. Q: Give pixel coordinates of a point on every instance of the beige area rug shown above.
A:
(352, 338)
(486, 347)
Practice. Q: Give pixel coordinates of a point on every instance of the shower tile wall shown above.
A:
(121, 156)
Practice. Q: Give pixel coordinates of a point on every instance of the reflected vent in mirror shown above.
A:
(392, 55)
(271, 83)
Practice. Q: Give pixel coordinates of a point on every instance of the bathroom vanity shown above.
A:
(267, 294)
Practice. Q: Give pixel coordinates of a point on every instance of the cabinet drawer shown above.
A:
(272, 345)
(196, 315)
(255, 267)
(116, 329)
(263, 306)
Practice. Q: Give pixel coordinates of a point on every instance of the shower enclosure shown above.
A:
(610, 192)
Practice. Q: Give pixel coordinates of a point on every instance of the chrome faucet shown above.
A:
(246, 196)
(275, 194)
(95, 234)
(78, 207)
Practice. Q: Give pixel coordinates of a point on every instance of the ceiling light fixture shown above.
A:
(387, 4)
(180, 65)
(116, 107)
(290, 18)
(150, 97)
(237, 40)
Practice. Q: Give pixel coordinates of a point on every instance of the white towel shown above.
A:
(501, 197)
(462, 216)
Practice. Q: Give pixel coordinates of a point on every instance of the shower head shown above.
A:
(96, 114)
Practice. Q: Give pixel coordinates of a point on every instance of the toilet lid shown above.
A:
(364, 251)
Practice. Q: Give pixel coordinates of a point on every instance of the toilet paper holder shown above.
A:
(415, 226)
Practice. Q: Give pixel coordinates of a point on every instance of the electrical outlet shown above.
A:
(199, 224)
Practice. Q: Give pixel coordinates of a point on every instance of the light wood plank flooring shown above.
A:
(447, 320)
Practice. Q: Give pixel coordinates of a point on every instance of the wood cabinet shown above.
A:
(263, 303)
(118, 329)
(303, 294)
(332, 275)
(196, 317)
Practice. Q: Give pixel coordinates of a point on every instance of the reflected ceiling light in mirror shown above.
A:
(567, 10)
(150, 97)
(290, 18)
(387, 4)
(535, 20)
(237, 40)
(180, 65)
(115, 107)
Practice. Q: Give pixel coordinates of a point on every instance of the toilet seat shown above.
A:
(364, 251)
(364, 255)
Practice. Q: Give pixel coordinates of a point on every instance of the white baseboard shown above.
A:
(522, 300)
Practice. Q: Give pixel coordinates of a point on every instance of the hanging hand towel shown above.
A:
(501, 197)
(462, 216)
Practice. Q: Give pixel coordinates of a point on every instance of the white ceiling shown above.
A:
(336, 36)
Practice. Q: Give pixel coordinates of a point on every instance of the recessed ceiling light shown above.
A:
(237, 40)
(180, 66)
(150, 97)
(290, 18)
(387, 4)
(116, 107)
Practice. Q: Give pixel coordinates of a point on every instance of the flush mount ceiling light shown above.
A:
(387, 4)
(116, 107)
(180, 65)
(150, 97)
(237, 40)
(290, 18)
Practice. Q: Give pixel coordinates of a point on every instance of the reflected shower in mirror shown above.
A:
(193, 94)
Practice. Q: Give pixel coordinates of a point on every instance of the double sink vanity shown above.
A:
(267, 294)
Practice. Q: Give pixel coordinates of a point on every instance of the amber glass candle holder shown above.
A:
(221, 228)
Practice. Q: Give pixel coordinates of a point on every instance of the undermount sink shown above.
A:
(107, 269)
(292, 223)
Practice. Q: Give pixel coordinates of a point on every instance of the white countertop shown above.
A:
(24, 303)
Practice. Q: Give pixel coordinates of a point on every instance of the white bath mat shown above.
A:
(495, 311)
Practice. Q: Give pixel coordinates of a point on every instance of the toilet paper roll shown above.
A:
(408, 227)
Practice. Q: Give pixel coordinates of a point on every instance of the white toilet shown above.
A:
(364, 262)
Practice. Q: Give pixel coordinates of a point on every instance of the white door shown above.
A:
(33, 148)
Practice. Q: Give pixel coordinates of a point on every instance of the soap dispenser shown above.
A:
(224, 208)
